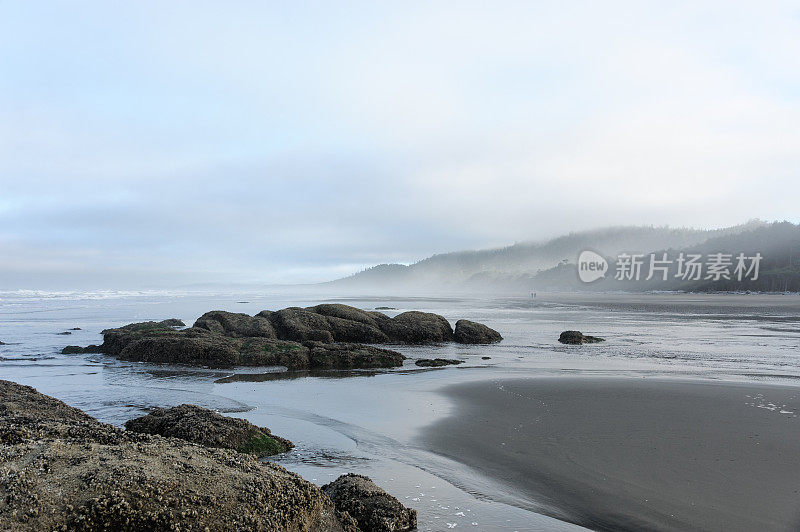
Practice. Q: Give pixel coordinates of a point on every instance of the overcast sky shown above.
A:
(144, 143)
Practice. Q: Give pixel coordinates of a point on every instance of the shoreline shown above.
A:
(369, 428)
(616, 453)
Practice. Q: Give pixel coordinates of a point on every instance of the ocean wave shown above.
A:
(29, 295)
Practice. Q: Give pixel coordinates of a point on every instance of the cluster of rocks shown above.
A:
(61, 469)
(323, 336)
(577, 338)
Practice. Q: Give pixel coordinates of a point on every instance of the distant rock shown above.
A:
(577, 337)
(327, 323)
(76, 329)
(175, 347)
(76, 349)
(470, 332)
(65, 333)
(146, 326)
(343, 323)
(370, 506)
(414, 327)
(346, 312)
(345, 356)
(235, 324)
(196, 347)
(64, 470)
(437, 362)
(72, 350)
(385, 308)
(200, 425)
(486, 358)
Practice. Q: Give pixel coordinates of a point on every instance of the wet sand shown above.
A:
(632, 454)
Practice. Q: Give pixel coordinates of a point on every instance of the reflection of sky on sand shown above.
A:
(370, 429)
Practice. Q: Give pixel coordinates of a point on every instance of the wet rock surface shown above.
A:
(577, 338)
(370, 506)
(416, 327)
(437, 362)
(210, 429)
(152, 342)
(61, 469)
(235, 324)
(345, 356)
(76, 349)
(470, 332)
(322, 336)
(328, 323)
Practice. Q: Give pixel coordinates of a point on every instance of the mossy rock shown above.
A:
(262, 444)
(206, 427)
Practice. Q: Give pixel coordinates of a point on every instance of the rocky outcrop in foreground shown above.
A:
(210, 429)
(371, 507)
(577, 337)
(61, 469)
(323, 336)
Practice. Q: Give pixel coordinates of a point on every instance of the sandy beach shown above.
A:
(628, 454)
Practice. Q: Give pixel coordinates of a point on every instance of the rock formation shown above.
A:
(323, 336)
(470, 332)
(210, 429)
(370, 506)
(577, 337)
(437, 362)
(61, 469)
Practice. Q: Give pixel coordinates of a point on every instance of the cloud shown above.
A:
(155, 142)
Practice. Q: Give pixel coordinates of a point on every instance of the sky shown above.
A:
(169, 143)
